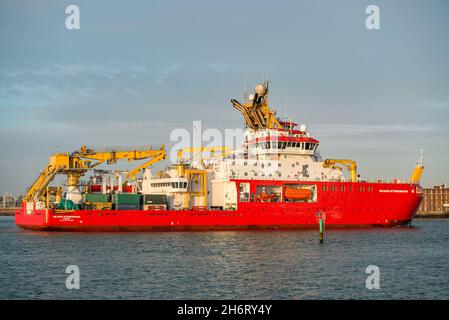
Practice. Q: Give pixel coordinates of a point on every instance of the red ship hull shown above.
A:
(365, 205)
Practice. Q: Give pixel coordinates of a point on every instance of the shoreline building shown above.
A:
(9, 200)
(435, 200)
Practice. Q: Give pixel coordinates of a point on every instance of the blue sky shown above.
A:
(138, 69)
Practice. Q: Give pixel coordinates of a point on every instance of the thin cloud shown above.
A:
(358, 129)
(439, 105)
(165, 73)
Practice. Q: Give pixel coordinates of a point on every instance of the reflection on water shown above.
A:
(228, 265)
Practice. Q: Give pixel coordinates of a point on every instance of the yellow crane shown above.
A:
(418, 171)
(198, 174)
(351, 165)
(256, 112)
(195, 151)
(111, 155)
(75, 164)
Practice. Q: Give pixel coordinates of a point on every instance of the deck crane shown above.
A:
(198, 174)
(76, 164)
(351, 165)
(256, 112)
(418, 170)
(194, 152)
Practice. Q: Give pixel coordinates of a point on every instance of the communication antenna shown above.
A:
(285, 107)
(421, 158)
(267, 85)
(245, 91)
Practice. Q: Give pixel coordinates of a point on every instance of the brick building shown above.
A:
(436, 200)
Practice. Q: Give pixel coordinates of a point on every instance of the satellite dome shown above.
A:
(303, 128)
(261, 90)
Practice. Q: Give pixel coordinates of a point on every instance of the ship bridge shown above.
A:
(266, 134)
(281, 141)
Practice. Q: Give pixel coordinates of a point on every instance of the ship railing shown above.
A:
(126, 148)
(116, 148)
(382, 181)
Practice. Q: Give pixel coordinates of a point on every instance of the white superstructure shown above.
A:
(275, 152)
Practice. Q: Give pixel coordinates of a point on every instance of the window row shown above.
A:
(176, 185)
(310, 146)
(349, 188)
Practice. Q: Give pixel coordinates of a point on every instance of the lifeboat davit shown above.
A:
(297, 193)
(266, 197)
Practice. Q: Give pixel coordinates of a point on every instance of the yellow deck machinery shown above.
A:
(76, 164)
(351, 165)
(199, 175)
(255, 110)
(418, 171)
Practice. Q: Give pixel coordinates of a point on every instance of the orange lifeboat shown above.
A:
(297, 193)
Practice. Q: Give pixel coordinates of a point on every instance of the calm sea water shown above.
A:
(413, 263)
